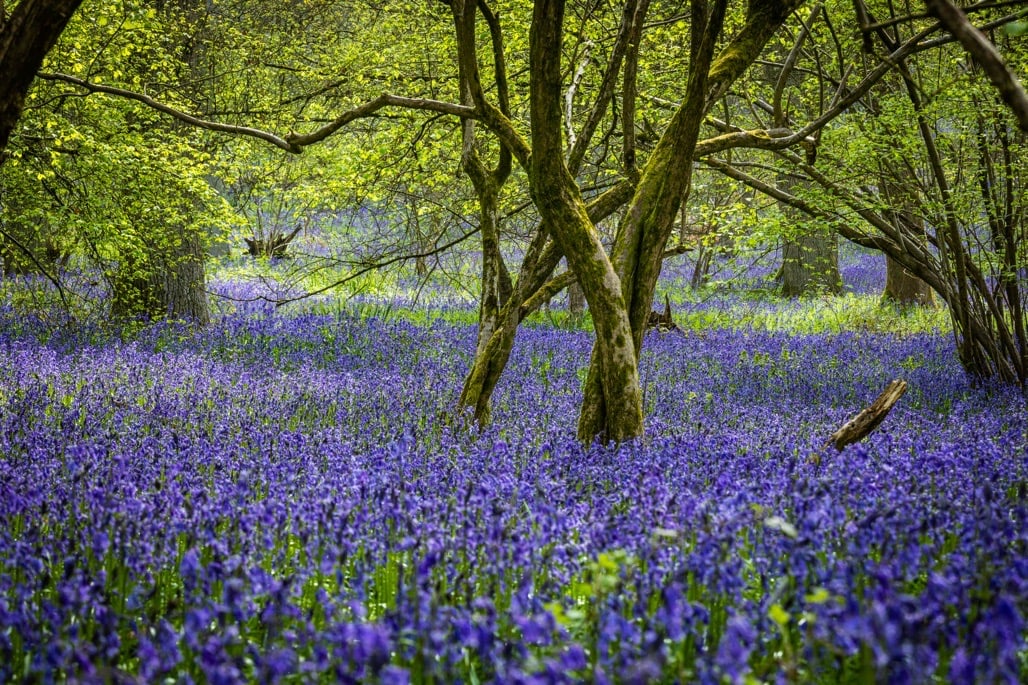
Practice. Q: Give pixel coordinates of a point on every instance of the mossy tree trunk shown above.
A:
(560, 203)
(534, 285)
(576, 302)
(649, 222)
(618, 289)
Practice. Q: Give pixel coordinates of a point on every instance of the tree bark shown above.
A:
(649, 221)
(647, 226)
(496, 285)
(560, 204)
(576, 302)
(541, 259)
(26, 37)
(184, 280)
(903, 287)
(810, 264)
(169, 282)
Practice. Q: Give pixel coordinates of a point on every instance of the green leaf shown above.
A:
(819, 596)
(1016, 28)
(779, 615)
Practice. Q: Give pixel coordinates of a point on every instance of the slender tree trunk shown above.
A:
(534, 287)
(492, 358)
(649, 221)
(496, 285)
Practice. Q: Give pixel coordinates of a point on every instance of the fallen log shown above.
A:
(868, 419)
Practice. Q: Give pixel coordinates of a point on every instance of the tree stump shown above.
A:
(273, 246)
(663, 321)
(867, 420)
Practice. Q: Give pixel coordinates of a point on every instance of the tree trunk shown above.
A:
(810, 257)
(617, 415)
(492, 359)
(26, 37)
(810, 264)
(169, 282)
(184, 287)
(496, 285)
(904, 288)
(649, 221)
(576, 302)
(533, 287)
(611, 407)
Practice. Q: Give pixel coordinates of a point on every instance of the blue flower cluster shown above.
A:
(282, 499)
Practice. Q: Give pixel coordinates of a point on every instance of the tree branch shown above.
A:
(293, 142)
(278, 302)
(1010, 89)
(32, 257)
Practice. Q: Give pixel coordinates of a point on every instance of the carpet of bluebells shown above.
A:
(286, 498)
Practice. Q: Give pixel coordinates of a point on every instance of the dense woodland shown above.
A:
(593, 157)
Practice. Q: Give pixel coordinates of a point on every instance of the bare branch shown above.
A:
(266, 136)
(632, 16)
(372, 106)
(32, 257)
(278, 302)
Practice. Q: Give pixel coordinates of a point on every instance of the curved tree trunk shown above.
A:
(649, 221)
(496, 285)
(560, 204)
(534, 287)
(619, 291)
(491, 358)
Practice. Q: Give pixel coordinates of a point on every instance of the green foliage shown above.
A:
(112, 185)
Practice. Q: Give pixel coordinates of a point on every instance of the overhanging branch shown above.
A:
(293, 142)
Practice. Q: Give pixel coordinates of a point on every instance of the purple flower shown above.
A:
(736, 645)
